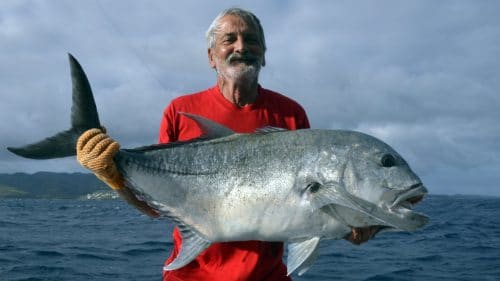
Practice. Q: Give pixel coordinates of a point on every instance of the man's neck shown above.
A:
(240, 93)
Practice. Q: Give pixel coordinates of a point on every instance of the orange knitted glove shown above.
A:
(95, 151)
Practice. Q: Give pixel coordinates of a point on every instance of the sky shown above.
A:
(423, 75)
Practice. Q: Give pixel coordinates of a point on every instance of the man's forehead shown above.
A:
(235, 24)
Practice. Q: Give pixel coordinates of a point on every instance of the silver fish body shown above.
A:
(278, 186)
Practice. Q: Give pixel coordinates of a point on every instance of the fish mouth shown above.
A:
(402, 216)
(410, 198)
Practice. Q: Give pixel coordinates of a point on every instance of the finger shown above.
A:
(360, 235)
(92, 143)
(111, 151)
(100, 159)
(353, 237)
(101, 146)
(85, 137)
(374, 231)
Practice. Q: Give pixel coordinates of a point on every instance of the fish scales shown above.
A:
(235, 179)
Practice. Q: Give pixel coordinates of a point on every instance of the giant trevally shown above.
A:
(275, 185)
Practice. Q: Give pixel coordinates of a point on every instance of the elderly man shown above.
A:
(236, 48)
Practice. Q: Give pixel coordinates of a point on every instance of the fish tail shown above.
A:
(83, 117)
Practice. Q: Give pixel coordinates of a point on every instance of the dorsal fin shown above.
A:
(211, 129)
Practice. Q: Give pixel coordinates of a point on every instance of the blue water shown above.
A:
(108, 240)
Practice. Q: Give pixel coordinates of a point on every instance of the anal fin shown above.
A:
(192, 245)
(301, 255)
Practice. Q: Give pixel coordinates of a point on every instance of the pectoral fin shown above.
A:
(337, 195)
(192, 245)
(301, 255)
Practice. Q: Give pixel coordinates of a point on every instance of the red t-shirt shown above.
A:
(247, 260)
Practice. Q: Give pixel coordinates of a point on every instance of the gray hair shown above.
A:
(247, 16)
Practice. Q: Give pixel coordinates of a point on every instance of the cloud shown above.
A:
(420, 75)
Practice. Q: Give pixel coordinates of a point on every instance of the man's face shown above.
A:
(238, 52)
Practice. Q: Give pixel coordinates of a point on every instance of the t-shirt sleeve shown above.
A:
(168, 131)
(302, 120)
(293, 113)
(297, 112)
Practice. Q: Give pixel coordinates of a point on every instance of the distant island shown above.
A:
(51, 185)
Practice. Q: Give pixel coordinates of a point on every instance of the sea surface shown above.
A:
(109, 240)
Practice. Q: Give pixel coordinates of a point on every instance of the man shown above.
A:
(236, 48)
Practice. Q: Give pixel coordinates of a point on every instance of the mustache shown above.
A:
(246, 57)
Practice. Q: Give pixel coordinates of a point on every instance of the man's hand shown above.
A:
(361, 235)
(95, 151)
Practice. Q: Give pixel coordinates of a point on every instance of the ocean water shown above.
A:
(109, 240)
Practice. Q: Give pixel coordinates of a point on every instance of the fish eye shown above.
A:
(387, 160)
(313, 187)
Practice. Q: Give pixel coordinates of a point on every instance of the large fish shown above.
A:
(275, 185)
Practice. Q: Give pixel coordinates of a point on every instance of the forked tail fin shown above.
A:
(83, 117)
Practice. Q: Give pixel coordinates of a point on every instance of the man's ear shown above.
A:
(211, 59)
